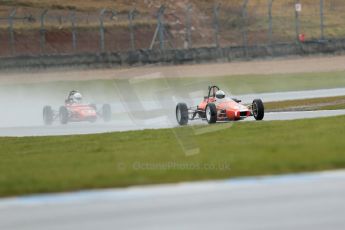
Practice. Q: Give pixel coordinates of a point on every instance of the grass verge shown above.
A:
(327, 103)
(68, 163)
(148, 89)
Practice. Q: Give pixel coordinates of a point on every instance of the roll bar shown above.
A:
(212, 89)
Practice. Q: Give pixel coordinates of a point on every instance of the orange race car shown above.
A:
(218, 107)
(75, 111)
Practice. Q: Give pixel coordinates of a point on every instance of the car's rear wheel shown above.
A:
(106, 112)
(258, 109)
(48, 115)
(211, 113)
(63, 115)
(182, 114)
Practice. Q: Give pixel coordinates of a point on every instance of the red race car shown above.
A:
(217, 107)
(75, 111)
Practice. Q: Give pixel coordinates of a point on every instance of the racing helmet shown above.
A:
(72, 93)
(77, 97)
(220, 94)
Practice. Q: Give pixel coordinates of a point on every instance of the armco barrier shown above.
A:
(198, 55)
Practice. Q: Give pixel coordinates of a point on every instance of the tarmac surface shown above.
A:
(128, 125)
(304, 201)
(155, 115)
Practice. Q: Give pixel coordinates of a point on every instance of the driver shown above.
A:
(77, 98)
(74, 97)
(220, 95)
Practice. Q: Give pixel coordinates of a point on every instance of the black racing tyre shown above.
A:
(182, 114)
(48, 115)
(106, 112)
(211, 113)
(258, 109)
(63, 115)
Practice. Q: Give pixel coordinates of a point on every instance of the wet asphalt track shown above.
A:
(126, 118)
(306, 201)
(128, 124)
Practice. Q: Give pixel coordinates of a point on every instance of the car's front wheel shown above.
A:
(63, 115)
(106, 112)
(211, 113)
(258, 109)
(182, 114)
(48, 115)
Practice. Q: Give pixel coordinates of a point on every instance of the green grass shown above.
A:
(327, 103)
(55, 164)
(281, 82)
(332, 107)
(106, 90)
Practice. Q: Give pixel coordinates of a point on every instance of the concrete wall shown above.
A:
(143, 57)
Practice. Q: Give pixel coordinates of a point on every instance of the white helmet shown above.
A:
(220, 94)
(77, 97)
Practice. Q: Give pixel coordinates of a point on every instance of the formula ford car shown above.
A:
(217, 107)
(75, 111)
